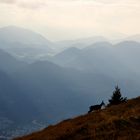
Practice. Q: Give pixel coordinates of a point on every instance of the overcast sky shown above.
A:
(69, 19)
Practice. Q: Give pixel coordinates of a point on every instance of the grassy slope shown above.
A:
(120, 122)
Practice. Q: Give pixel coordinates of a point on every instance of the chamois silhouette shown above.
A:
(96, 107)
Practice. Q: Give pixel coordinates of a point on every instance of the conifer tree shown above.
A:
(116, 97)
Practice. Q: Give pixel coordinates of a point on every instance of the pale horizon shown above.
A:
(73, 19)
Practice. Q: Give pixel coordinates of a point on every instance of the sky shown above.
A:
(70, 19)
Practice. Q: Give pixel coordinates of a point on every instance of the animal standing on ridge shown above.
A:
(96, 107)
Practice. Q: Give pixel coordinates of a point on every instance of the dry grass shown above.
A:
(120, 122)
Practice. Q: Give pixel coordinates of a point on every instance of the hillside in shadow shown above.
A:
(118, 122)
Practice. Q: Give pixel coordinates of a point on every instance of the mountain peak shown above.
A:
(14, 34)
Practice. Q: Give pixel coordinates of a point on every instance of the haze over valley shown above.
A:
(59, 57)
(43, 82)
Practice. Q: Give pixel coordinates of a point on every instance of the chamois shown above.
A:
(96, 107)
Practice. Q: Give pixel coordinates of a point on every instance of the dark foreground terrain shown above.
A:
(120, 122)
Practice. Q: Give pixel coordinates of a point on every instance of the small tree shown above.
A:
(116, 97)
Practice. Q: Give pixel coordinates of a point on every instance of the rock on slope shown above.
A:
(121, 122)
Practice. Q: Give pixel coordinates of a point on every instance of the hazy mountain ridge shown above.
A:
(49, 84)
(24, 44)
(13, 34)
(31, 46)
(79, 77)
(107, 58)
(37, 88)
(66, 56)
(8, 63)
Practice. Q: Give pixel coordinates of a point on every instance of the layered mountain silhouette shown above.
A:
(13, 34)
(8, 63)
(23, 43)
(66, 56)
(115, 60)
(50, 90)
(53, 88)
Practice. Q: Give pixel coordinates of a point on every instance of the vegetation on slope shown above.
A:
(118, 122)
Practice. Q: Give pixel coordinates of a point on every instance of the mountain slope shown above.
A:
(121, 122)
(120, 60)
(14, 34)
(50, 85)
(78, 43)
(23, 43)
(98, 58)
(12, 100)
(8, 63)
(128, 52)
(82, 41)
(66, 56)
(17, 109)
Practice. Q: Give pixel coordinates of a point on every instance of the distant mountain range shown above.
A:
(119, 62)
(66, 56)
(52, 87)
(39, 84)
(43, 91)
(8, 63)
(103, 57)
(24, 44)
(30, 46)
(14, 34)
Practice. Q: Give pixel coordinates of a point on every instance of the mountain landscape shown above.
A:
(66, 56)
(42, 82)
(69, 69)
(103, 56)
(24, 44)
(13, 34)
(8, 63)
